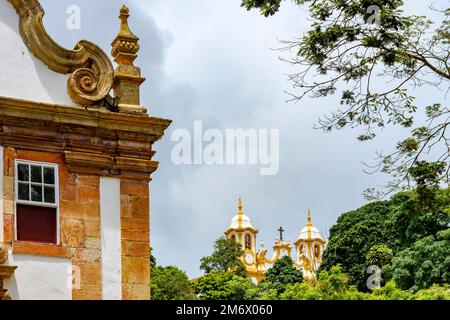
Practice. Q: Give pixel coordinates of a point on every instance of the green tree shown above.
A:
(425, 264)
(330, 285)
(171, 283)
(282, 274)
(397, 223)
(335, 285)
(224, 286)
(264, 291)
(373, 54)
(389, 292)
(412, 220)
(301, 291)
(225, 257)
(435, 292)
(352, 237)
(379, 255)
(426, 175)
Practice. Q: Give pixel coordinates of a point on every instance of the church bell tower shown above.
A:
(242, 231)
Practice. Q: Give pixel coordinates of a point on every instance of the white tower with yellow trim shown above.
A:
(242, 231)
(309, 249)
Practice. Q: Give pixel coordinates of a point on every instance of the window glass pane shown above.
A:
(23, 172)
(49, 175)
(49, 195)
(24, 191)
(36, 174)
(36, 193)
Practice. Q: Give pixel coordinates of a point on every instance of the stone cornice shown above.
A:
(92, 141)
(92, 73)
(238, 230)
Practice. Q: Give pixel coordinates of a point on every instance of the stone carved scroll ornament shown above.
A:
(6, 271)
(91, 70)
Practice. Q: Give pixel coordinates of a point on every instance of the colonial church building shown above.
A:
(308, 248)
(76, 158)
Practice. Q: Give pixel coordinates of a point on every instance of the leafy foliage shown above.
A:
(282, 274)
(354, 234)
(356, 46)
(425, 264)
(171, 283)
(264, 291)
(426, 175)
(412, 219)
(332, 285)
(435, 292)
(397, 223)
(379, 255)
(225, 257)
(389, 292)
(224, 286)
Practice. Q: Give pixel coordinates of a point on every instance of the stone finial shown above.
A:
(125, 46)
(127, 76)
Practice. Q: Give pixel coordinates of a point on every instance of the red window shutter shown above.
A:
(36, 224)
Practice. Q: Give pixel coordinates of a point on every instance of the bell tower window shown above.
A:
(248, 242)
(36, 195)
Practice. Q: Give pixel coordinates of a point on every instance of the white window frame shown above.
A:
(55, 205)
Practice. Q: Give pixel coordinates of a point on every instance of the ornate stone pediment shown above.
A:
(92, 73)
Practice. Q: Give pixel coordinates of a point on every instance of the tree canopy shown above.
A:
(224, 286)
(171, 283)
(353, 236)
(225, 257)
(283, 273)
(330, 285)
(425, 264)
(379, 255)
(396, 223)
(374, 56)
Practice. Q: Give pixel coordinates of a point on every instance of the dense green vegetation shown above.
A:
(171, 283)
(406, 238)
(426, 263)
(362, 236)
(224, 286)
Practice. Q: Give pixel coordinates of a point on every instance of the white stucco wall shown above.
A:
(110, 235)
(22, 76)
(40, 278)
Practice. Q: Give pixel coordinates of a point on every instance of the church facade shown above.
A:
(306, 253)
(76, 158)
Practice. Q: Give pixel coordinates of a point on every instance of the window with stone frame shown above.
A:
(36, 201)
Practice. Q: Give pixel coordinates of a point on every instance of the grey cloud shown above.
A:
(210, 61)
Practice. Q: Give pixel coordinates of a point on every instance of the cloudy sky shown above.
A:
(212, 61)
